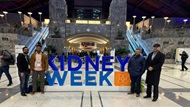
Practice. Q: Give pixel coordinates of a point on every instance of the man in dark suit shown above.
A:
(154, 64)
(23, 70)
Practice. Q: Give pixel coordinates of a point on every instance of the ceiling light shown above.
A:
(152, 17)
(5, 12)
(143, 17)
(30, 13)
(40, 13)
(134, 16)
(185, 20)
(165, 18)
(19, 12)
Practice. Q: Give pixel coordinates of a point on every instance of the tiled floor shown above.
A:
(174, 92)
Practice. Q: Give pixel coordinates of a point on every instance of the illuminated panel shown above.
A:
(94, 22)
(108, 22)
(46, 21)
(81, 21)
(128, 25)
(67, 21)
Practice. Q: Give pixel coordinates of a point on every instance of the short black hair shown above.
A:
(156, 45)
(38, 45)
(138, 49)
(24, 48)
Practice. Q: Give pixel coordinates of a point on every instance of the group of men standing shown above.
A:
(153, 64)
(36, 66)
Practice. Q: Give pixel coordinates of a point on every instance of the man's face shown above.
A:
(25, 50)
(137, 52)
(156, 49)
(38, 49)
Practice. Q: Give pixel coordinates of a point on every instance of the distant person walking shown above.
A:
(154, 64)
(4, 65)
(38, 66)
(136, 68)
(184, 57)
(23, 63)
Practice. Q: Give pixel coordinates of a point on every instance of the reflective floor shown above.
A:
(174, 92)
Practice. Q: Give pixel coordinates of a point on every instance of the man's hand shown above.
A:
(150, 68)
(1, 56)
(31, 72)
(21, 74)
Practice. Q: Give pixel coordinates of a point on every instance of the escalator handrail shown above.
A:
(32, 48)
(131, 49)
(131, 41)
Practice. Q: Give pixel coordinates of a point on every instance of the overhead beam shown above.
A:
(169, 6)
(139, 4)
(159, 10)
(13, 3)
(137, 10)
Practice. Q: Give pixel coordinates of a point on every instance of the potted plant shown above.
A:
(122, 52)
(38, 83)
(120, 35)
(56, 33)
(50, 49)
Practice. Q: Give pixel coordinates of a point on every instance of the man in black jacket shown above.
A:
(23, 70)
(154, 64)
(136, 68)
(184, 57)
(4, 65)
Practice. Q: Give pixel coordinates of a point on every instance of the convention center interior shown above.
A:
(94, 53)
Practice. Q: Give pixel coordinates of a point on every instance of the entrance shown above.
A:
(90, 44)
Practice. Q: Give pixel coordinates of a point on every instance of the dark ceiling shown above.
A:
(99, 9)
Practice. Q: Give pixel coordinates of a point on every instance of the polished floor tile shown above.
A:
(174, 92)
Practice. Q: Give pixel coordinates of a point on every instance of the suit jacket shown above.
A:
(23, 63)
(136, 65)
(153, 77)
(44, 62)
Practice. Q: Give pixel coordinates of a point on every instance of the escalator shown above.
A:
(132, 43)
(136, 42)
(131, 49)
(38, 37)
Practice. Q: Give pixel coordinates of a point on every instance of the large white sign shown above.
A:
(18, 49)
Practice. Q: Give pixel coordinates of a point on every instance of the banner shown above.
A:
(74, 73)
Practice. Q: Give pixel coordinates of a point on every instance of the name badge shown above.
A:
(38, 64)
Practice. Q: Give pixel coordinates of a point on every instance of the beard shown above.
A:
(25, 52)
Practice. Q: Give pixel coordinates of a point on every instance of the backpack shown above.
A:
(11, 60)
(187, 56)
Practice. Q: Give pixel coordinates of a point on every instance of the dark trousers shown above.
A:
(35, 75)
(5, 69)
(149, 91)
(183, 65)
(24, 82)
(135, 84)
